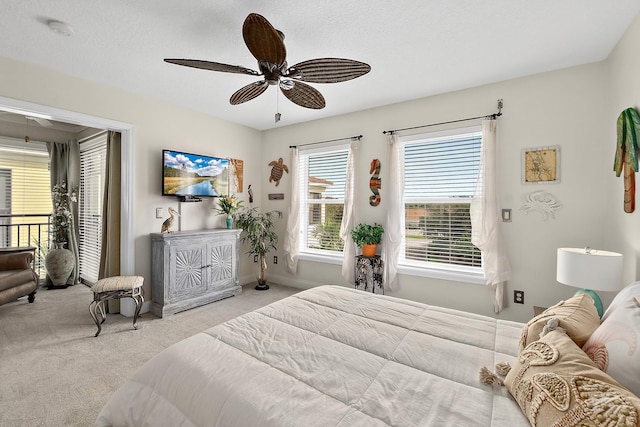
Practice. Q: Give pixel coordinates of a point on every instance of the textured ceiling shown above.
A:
(416, 48)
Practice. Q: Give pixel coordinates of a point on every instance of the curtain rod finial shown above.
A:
(500, 105)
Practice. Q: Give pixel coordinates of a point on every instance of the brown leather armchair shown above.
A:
(17, 276)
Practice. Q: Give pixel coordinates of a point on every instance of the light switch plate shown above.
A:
(158, 212)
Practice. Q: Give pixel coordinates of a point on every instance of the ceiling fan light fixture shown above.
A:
(266, 44)
(60, 27)
(286, 84)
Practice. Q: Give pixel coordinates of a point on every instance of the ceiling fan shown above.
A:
(266, 44)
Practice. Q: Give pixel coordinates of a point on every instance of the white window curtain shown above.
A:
(349, 214)
(392, 237)
(485, 219)
(292, 236)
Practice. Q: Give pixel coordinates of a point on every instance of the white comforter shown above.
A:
(328, 356)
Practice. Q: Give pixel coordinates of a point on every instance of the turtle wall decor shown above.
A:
(277, 168)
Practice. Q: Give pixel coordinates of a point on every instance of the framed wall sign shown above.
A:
(541, 165)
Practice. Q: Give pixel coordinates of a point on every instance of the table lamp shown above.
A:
(590, 269)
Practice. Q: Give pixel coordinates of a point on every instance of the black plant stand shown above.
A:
(369, 274)
(262, 286)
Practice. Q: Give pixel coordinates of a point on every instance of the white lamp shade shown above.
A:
(589, 268)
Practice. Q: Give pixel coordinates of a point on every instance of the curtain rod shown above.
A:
(352, 138)
(492, 116)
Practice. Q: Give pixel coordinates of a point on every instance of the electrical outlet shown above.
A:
(518, 297)
(255, 258)
(275, 259)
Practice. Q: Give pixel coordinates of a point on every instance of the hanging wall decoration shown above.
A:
(277, 168)
(374, 183)
(541, 165)
(542, 203)
(236, 169)
(627, 154)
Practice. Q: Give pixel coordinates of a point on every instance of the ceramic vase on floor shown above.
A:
(60, 262)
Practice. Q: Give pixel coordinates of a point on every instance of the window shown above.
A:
(440, 175)
(92, 169)
(25, 196)
(323, 174)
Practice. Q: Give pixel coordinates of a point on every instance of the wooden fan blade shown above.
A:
(212, 66)
(264, 42)
(328, 70)
(302, 94)
(248, 92)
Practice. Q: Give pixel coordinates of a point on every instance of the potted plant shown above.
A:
(367, 237)
(257, 231)
(228, 205)
(60, 261)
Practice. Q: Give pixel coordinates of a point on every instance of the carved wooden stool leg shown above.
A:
(92, 310)
(115, 288)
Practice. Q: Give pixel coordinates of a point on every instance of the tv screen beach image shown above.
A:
(187, 174)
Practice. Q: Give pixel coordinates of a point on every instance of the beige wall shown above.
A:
(156, 126)
(574, 108)
(622, 230)
(564, 108)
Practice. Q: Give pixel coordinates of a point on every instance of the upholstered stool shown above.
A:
(115, 288)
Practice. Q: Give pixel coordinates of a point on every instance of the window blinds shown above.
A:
(24, 190)
(92, 170)
(440, 178)
(323, 174)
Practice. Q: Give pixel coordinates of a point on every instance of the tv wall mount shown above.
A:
(189, 199)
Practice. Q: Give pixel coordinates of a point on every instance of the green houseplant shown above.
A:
(257, 232)
(228, 205)
(367, 237)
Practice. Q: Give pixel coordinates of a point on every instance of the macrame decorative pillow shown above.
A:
(556, 384)
(577, 315)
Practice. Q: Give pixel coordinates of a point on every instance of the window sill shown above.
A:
(408, 269)
(444, 274)
(321, 257)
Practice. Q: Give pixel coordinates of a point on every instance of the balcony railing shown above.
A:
(27, 230)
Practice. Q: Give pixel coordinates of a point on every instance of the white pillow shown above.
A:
(615, 345)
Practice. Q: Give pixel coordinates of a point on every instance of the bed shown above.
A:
(333, 356)
(328, 356)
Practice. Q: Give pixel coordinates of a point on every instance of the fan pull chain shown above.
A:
(278, 115)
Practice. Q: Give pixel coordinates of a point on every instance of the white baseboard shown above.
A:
(292, 282)
(128, 307)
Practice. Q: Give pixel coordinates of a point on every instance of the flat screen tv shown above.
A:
(192, 176)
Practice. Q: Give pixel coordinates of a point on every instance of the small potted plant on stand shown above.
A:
(257, 231)
(367, 237)
(228, 205)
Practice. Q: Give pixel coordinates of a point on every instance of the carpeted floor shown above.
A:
(53, 372)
